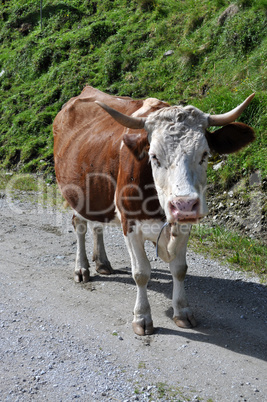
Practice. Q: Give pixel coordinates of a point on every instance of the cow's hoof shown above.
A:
(104, 268)
(141, 328)
(82, 275)
(185, 322)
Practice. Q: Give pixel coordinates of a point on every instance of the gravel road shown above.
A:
(62, 341)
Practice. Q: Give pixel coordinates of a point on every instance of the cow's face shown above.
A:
(179, 145)
(179, 156)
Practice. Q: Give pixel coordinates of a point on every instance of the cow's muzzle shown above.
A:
(184, 209)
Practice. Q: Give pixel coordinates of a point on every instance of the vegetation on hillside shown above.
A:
(209, 53)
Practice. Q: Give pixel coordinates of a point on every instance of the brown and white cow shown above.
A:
(142, 167)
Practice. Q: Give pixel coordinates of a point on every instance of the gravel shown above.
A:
(62, 341)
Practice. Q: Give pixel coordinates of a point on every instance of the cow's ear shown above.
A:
(137, 143)
(230, 138)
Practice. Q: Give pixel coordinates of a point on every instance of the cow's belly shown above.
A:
(88, 187)
(90, 202)
(115, 222)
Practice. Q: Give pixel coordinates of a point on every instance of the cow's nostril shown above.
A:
(195, 205)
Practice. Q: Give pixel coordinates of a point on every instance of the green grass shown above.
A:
(22, 182)
(141, 365)
(119, 46)
(31, 187)
(166, 392)
(241, 252)
(163, 391)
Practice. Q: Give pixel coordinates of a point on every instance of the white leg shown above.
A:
(103, 266)
(142, 322)
(182, 314)
(81, 273)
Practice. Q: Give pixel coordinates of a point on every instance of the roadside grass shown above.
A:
(241, 252)
(167, 392)
(22, 182)
(33, 187)
(162, 391)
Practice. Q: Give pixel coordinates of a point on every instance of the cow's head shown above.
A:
(179, 147)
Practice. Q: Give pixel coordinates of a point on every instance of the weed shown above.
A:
(141, 365)
(166, 392)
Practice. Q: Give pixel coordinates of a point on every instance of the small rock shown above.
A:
(218, 165)
(221, 206)
(228, 13)
(168, 53)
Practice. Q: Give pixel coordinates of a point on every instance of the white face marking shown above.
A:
(179, 156)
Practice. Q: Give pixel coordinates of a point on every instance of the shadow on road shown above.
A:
(230, 314)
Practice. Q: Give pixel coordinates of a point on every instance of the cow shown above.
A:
(140, 164)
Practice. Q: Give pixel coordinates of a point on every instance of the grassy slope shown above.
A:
(118, 46)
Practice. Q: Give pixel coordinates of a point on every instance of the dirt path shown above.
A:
(62, 341)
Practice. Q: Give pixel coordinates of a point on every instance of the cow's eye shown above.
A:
(204, 156)
(154, 158)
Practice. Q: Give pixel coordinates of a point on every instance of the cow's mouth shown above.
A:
(184, 221)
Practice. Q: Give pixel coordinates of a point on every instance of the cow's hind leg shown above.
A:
(81, 272)
(142, 322)
(103, 266)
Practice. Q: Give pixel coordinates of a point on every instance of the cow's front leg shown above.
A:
(182, 313)
(142, 322)
(100, 258)
(81, 272)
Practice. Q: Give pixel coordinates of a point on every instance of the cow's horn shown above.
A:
(226, 118)
(123, 119)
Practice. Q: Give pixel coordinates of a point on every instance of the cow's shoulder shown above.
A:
(149, 106)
